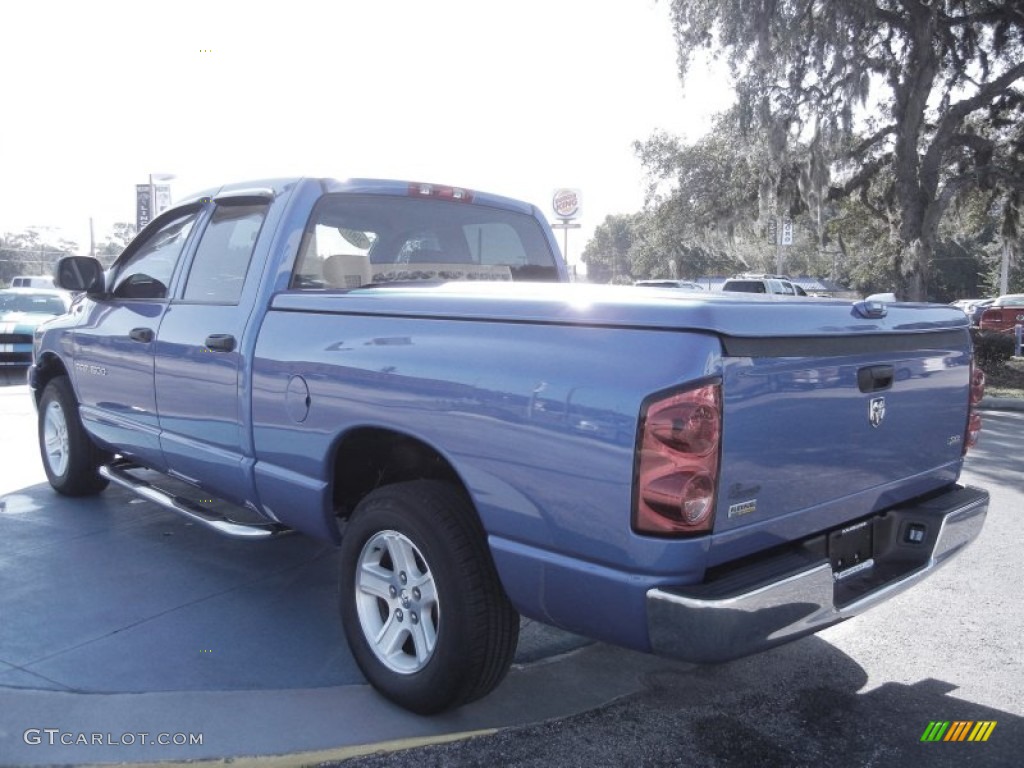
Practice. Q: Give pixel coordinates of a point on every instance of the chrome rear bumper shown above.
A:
(772, 601)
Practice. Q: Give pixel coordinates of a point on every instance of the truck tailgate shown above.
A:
(817, 428)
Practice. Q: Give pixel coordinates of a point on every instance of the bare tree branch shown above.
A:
(871, 140)
(861, 179)
(956, 114)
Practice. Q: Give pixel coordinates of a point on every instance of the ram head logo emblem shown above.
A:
(876, 411)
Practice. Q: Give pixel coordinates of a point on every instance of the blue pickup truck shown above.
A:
(403, 369)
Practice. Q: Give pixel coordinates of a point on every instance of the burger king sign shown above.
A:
(566, 203)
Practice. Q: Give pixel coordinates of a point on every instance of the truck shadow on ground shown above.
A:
(803, 704)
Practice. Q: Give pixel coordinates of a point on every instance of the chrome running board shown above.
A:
(117, 472)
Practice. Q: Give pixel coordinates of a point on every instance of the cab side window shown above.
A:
(147, 272)
(222, 259)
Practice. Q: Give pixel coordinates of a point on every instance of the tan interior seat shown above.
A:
(346, 271)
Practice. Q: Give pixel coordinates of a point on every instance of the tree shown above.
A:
(907, 104)
(707, 209)
(30, 253)
(116, 241)
(706, 214)
(668, 245)
(607, 254)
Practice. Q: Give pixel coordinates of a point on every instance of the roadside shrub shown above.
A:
(991, 348)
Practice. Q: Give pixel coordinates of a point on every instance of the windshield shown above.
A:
(38, 303)
(353, 240)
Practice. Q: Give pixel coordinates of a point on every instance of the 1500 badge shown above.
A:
(744, 508)
(95, 370)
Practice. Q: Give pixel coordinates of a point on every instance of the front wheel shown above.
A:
(70, 458)
(424, 613)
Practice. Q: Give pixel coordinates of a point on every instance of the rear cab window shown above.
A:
(353, 240)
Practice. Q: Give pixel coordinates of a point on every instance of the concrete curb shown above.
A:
(1002, 404)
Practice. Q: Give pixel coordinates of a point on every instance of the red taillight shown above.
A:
(977, 392)
(977, 385)
(440, 192)
(677, 462)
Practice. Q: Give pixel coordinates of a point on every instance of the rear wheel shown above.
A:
(70, 458)
(425, 615)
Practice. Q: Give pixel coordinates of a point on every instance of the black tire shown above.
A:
(70, 457)
(432, 527)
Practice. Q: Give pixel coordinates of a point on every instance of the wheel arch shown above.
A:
(48, 367)
(369, 457)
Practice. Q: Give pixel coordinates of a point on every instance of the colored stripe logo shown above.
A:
(958, 730)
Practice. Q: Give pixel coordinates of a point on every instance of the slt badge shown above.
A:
(876, 411)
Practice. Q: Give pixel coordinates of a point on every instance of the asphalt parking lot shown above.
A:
(117, 618)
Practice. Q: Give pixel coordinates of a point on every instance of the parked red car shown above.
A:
(1004, 313)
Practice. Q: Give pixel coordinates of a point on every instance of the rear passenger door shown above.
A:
(199, 362)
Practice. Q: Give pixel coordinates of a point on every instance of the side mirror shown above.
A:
(81, 274)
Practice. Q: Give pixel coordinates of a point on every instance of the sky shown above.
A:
(517, 98)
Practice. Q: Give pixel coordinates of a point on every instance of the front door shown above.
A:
(113, 346)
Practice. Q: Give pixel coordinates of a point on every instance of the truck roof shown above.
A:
(364, 186)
